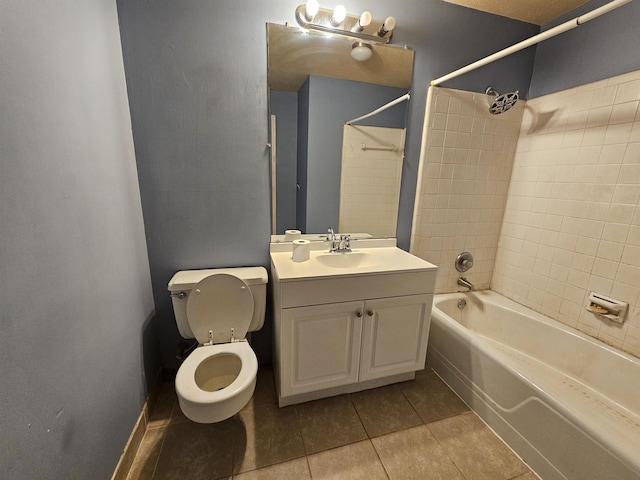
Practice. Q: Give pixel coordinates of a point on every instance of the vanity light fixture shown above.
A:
(361, 51)
(338, 22)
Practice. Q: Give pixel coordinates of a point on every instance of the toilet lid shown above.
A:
(219, 303)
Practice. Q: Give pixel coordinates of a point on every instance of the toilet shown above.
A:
(218, 307)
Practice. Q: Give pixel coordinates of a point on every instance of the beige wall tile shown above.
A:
(548, 218)
(596, 224)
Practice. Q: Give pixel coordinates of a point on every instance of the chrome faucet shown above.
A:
(331, 237)
(466, 284)
(338, 245)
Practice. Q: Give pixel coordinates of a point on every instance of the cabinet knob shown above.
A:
(358, 313)
(370, 313)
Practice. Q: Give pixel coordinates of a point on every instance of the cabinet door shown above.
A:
(395, 332)
(320, 347)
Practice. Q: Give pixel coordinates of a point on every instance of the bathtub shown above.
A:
(566, 403)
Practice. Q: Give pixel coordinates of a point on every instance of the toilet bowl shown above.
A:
(216, 381)
(218, 307)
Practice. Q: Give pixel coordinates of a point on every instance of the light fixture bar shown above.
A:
(349, 27)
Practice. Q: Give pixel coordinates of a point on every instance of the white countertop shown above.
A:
(384, 260)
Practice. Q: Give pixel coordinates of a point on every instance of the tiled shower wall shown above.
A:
(572, 220)
(463, 186)
(370, 179)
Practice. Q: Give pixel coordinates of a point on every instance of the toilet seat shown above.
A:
(195, 401)
(217, 304)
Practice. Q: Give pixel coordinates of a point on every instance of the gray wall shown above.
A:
(302, 163)
(196, 75)
(284, 105)
(75, 292)
(601, 48)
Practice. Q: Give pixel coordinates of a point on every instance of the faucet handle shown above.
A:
(345, 241)
(464, 262)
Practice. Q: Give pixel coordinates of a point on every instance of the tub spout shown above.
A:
(466, 284)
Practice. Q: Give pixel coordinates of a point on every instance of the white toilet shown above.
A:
(218, 307)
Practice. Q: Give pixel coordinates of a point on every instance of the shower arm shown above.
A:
(552, 32)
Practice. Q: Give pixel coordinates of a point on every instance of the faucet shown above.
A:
(331, 237)
(338, 245)
(466, 284)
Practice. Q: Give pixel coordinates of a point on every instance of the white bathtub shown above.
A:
(568, 404)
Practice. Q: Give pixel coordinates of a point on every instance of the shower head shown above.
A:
(503, 102)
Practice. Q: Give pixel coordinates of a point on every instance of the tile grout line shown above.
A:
(444, 449)
(164, 437)
(304, 445)
(155, 465)
(386, 472)
(436, 438)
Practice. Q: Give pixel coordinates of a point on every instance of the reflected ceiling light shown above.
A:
(363, 21)
(338, 22)
(361, 51)
(387, 27)
(311, 9)
(339, 14)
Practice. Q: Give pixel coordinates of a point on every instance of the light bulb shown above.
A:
(311, 9)
(363, 21)
(388, 25)
(339, 14)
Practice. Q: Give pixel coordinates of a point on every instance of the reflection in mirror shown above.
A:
(327, 173)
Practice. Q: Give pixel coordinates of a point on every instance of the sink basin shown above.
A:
(347, 260)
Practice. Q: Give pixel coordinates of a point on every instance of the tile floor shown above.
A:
(412, 430)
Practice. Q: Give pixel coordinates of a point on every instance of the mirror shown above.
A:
(326, 173)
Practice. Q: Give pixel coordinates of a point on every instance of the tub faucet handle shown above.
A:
(464, 262)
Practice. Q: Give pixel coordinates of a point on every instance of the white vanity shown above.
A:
(345, 322)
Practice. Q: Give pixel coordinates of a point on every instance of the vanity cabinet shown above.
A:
(338, 333)
(326, 346)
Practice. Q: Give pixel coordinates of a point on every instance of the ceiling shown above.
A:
(538, 12)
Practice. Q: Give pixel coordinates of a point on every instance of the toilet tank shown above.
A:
(182, 282)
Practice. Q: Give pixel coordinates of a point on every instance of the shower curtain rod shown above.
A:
(552, 32)
(404, 97)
